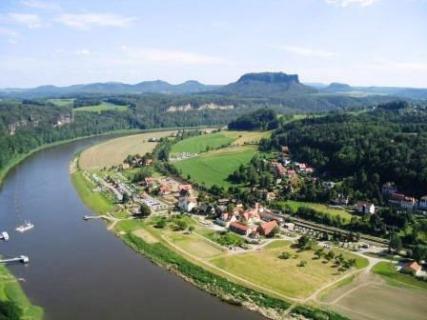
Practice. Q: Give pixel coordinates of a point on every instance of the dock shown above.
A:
(4, 236)
(22, 259)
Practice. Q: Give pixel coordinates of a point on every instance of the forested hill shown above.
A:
(366, 149)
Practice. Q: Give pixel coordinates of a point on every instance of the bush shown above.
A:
(284, 255)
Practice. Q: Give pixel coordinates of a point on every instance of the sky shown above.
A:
(360, 42)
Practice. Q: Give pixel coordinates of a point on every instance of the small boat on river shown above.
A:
(25, 227)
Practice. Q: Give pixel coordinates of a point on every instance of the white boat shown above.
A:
(4, 236)
(25, 227)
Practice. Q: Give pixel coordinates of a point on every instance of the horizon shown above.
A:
(358, 42)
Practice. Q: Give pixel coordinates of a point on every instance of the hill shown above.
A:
(108, 88)
(266, 84)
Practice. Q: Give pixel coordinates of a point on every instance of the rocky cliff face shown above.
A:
(266, 84)
(270, 77)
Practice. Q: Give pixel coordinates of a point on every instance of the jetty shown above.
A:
(4, 236)
(22, 259)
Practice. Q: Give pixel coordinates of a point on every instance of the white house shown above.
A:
(187, 203)
(365, 207)
(422, 204)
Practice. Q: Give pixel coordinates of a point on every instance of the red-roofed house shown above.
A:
(266, 229)
(240, 228)
(412, 267)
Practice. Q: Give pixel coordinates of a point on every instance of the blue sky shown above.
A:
(361, 42)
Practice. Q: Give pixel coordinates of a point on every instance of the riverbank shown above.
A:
(14, 304)
(159, 251)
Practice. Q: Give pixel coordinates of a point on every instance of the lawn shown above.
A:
(294, 205)
(284, 276)
(204, 142)
(95, 201)
(103, 106)
(214, 167)
(10, 290)
(394, 277)
(113, 152)
(194, 244)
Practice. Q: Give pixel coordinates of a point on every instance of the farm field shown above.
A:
(62, 102)
(283, 276)
(195, 245)
(294, 205)
(113, 152)
(381, 301)
(247, 137)
(214, 167)
(104, 106)
(201, 143)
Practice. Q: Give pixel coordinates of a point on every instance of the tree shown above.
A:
(330, 255)
(284, 255)
(144, 210)
(302, 263)
(305, 243)
(395, 243)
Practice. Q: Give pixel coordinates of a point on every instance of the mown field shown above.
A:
(284, 276)
(10, 290)
(204, 142)
(104, 106)
(381, 301)
(295, 205)
(113, 152)
(218, 140)
(214, 167)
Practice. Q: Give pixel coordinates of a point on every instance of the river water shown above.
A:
(79, 270)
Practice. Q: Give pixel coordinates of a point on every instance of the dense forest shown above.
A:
(262, 119)
(364, 149)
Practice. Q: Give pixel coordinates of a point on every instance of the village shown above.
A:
(256, 225)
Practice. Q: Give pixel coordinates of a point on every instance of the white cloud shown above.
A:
(171, 56)
(308, 52)
(38, 4)
(28, 19)
(87, 20)
(83, 52)
(11, 35)
(348, 3)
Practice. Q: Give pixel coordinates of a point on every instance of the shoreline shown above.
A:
(217, 285)
(11, 292)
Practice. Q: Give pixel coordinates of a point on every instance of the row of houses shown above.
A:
(396, 198)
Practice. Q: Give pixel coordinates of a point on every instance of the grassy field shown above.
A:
(61, 102)
(10, 290)
(247, 137)
(294, 205)
(380, 301)
(93, 200)
(394, 277)
(203, 142)
(214, 167)
(103, 106)
(283, 276)
(113, 152)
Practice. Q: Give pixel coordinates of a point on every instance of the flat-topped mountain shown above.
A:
(266, 84)
(338, 87)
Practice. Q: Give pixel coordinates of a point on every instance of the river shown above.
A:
(79, 270)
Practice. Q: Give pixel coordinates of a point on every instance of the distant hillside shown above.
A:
(338, 87)
(108, 88)
(266, 84)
